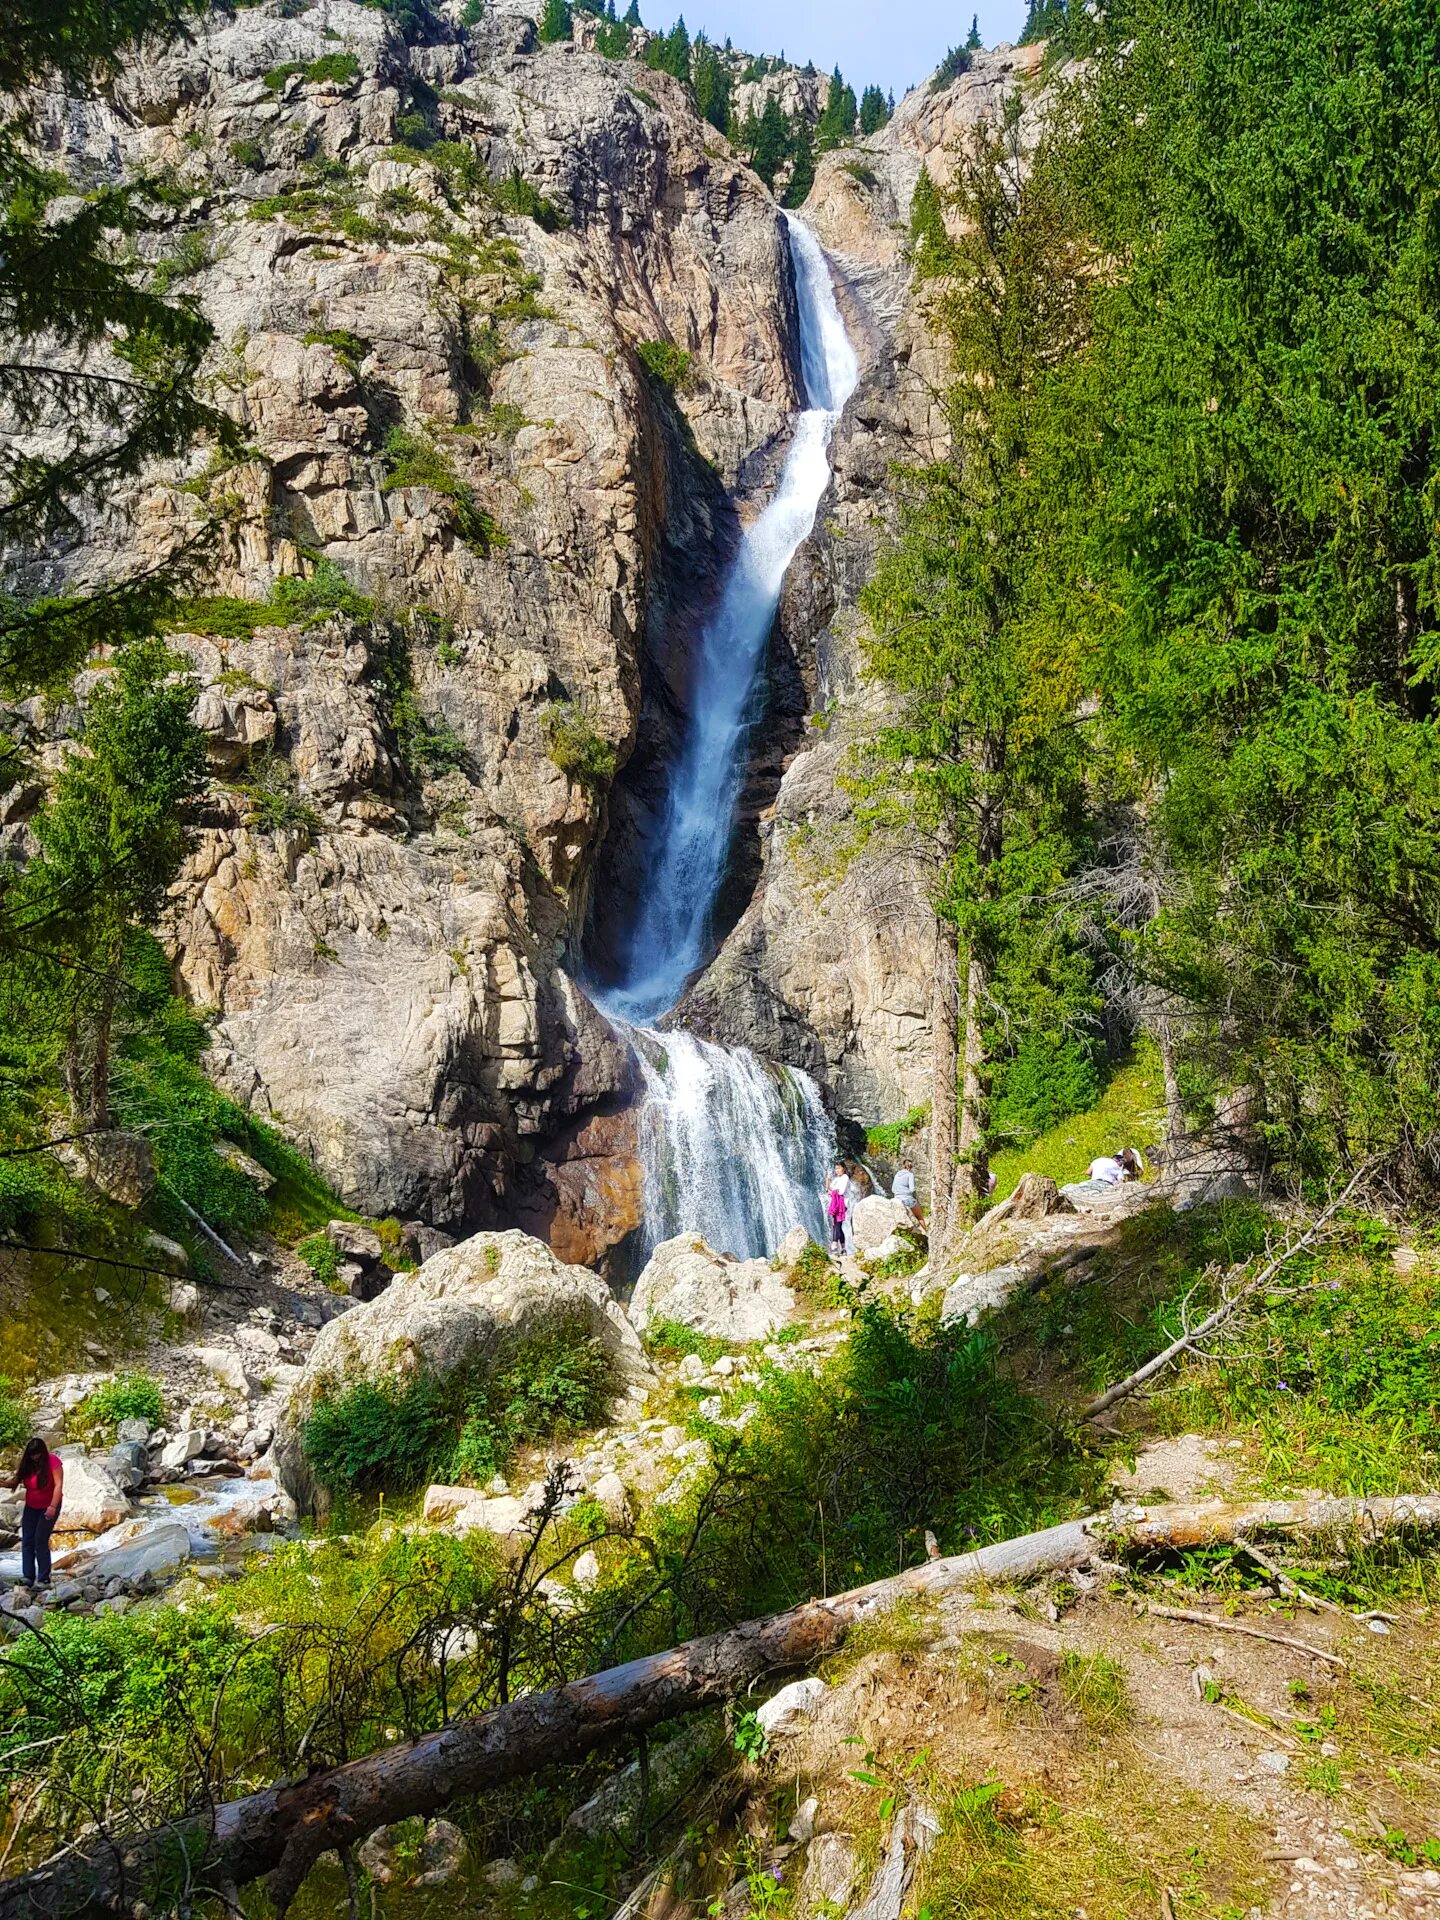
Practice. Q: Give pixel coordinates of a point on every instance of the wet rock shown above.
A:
(134, 1549)
(738, 1300)
(128, 1463)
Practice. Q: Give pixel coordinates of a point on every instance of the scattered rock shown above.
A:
(226, 1366)
(802, 1828)
(586, 1570)
(785, 1711)
(738, 1300)
(185, 1447)
(828, 1877)
(132, 1432)
(971, 1295)
(611, 1493)
(463, 1509)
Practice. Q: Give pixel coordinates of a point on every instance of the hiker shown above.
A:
(1107, 1171)
(42, 1474)
(854, 1194)
(837, 1206)
(903, 1189)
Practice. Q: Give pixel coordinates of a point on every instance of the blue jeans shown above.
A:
(36, 1527)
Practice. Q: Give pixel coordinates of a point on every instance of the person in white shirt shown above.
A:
(854, 1193)
(1107, 1169)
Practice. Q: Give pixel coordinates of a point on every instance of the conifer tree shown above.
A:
(711, 81)
(632, 14)
(973, 42)
(982, 756)
(771, 143)
(837, 123)
(555, 22)
(873, 110)
(802, 170)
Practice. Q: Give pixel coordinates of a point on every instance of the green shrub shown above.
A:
(350, 348)
(291, 602)
(428, 747)
(14, 1415)
(322, 593)
(580, 753)
(380, 1438)
(129, 1396)
(223, 616)
(516, 195)
(388, 1438)
(248, 153)
(413, 460)
(672, 366)
(674, 1338)
(191, 256)
(276, 805)
(322, 1257)
(891, 1135)
(277, 76)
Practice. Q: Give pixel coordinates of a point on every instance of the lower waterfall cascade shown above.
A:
(732, 1147)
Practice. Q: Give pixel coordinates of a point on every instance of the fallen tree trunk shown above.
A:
(282, 1830)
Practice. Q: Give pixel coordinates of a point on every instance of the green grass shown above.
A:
(674, 1340)
(888, 1136)
(1130, 1113)
(672, 366)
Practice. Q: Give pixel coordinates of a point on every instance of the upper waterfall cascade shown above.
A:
(733, 1148)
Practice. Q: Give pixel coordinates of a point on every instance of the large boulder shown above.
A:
(130, 1551)
(462, 1314)
(876, 1218)
(730, 1299)
(93, 1499)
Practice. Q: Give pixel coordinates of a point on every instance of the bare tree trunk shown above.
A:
(979, 1068)
(944, 995)
(282, 1830)
(1174, 1104)
(98, 1115)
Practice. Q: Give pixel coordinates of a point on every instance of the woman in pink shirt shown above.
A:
(42, 1474)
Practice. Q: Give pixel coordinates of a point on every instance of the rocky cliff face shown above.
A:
(449, 588)
(430, 269)
(828, 966)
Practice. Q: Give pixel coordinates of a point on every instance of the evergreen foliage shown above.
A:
(973, 42)
(770, 141)
(710, 80)
(836, 125)
(555, 21)
(802, 166)
(874, 112)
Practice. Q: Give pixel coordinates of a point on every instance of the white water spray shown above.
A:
(733, 1148)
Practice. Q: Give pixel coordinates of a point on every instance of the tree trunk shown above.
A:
(282, 1830)
(944, 995)
(98, 1115)
(1174, 1104)
(979, 1068)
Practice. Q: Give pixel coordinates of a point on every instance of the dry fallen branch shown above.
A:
(1315, 1231)
(1241, 1626)
(283, 1829)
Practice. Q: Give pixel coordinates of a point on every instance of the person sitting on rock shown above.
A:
(42, 1474)
(1107, 1171)
(903, 1189)
(1130, 1160)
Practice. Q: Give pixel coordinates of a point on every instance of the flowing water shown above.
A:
(733, 1148)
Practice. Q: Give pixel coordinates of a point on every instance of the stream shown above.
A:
(733, 1147)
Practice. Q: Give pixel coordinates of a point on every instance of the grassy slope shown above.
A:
(1130, 1113)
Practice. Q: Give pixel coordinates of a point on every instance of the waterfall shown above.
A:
(733, 1148)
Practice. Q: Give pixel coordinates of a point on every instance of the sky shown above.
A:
(887, 43)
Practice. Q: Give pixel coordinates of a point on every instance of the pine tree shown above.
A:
(677, 51)
(973, 42)
(837, 122)
(983, 758)
(632, 14)
(873, 110)
(555, 22)
(929, 240)
(802, 171)
(771, 144)
(711, 81)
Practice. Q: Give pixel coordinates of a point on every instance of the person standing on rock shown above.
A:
(42, 1474)
(854, 1194)
(837, 1206)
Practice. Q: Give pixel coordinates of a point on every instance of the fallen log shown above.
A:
(282, 1830)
